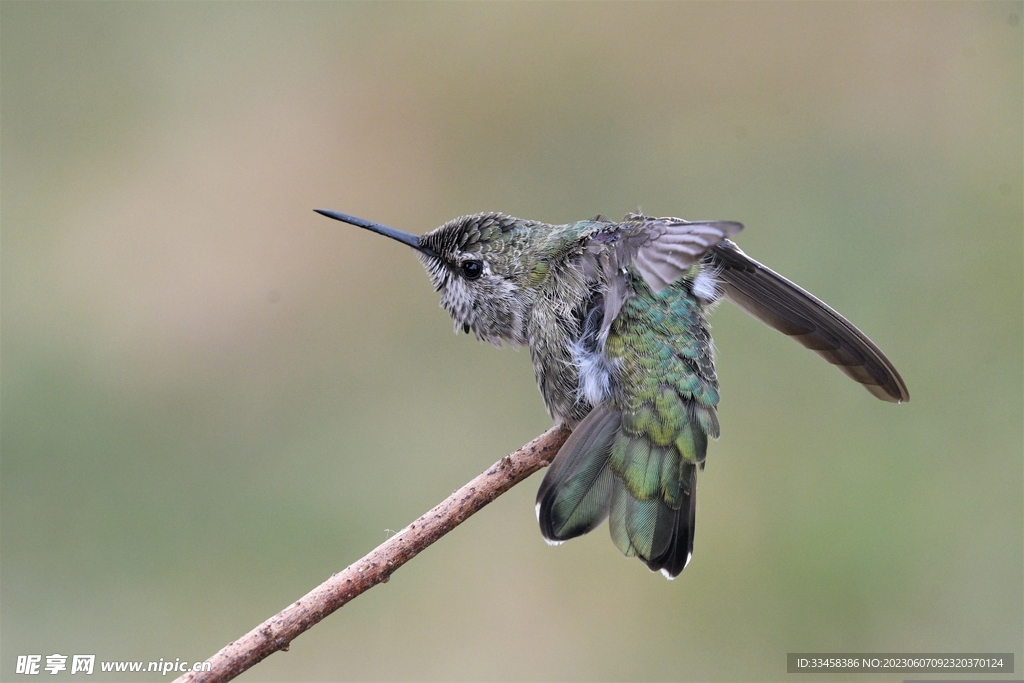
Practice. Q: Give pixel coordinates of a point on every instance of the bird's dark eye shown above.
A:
(471, 270)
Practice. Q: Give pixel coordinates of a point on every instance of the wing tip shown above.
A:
(892, 390)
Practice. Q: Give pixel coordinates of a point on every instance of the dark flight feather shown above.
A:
(790, 309)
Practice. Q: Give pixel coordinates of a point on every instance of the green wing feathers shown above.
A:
(634, 458)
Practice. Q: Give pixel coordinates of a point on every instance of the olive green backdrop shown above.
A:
(213, 398)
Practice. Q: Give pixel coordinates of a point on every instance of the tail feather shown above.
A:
(573, 499)
(647, 491)
(679, 551)
(657, 533)
(640, 527)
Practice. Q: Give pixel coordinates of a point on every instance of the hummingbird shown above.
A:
(615, 317)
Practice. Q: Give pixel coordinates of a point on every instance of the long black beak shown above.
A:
(403, 237)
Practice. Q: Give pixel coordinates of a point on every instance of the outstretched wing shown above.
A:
(788, 308)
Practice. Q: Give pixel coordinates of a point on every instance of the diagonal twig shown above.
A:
(281, 629)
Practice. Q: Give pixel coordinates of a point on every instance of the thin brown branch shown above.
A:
(281, 629)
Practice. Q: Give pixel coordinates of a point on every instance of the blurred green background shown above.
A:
(213, 398)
